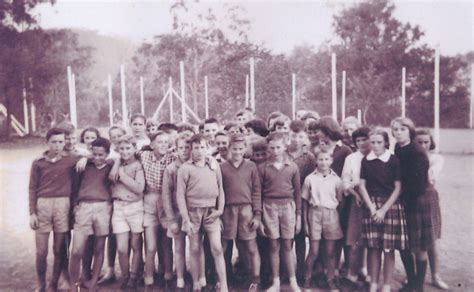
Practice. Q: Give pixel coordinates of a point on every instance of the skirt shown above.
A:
(424, 220)
(354, 225)
(391, 234)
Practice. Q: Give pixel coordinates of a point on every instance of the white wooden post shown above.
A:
(403, 92)
(33, 117)
(334, 86)
(111, 108)
(142, 97)
(359, 116)
(293, 95)
(252, 84)
(183, 92)
(206, 97)
(471, 103)
(436, 99)
(247, 90)
(170, 85)
(25, 112)
(343, 105)
(124, 97)
(74, 99)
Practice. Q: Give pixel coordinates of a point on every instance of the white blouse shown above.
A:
(351, 171)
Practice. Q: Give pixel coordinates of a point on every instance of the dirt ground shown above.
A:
(17, 250)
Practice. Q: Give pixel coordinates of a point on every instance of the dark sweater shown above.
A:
(306, 163)
(380, 176)
(339, 157)
(94, 184)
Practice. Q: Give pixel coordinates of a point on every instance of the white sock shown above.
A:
(293, 282)
(373, 287)
(386, 288)
(203, 282)
(276, 282)
(363, 271)
(180, 283)
(351, 278)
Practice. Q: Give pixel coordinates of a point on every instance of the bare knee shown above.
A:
(286, 245)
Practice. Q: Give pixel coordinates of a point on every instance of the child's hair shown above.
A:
(360, 132)
(313, 126)
(258, 126)
(197, 138)
(428, 133)
(275, 136)
(67, 127)
(330, 127)
(201, 127)
(211, 121)
(240, 113)
(53, 132)
(136, 116)
(117, 128)
(129, 139)
(280, 121)
(185, 127)
(237, 138)
(321, 151)
(220, 133)
(310, 115)
(229, 126)
(168, 127)
(383, 133)
(89, 129)
(153, 136)
(260, 145)
(406, 122)
(351, 120)
(272, 116)
(181, 137)
(151, 123)
(101, 142)
(297, 126)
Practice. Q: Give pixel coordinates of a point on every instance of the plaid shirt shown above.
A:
(154, 169)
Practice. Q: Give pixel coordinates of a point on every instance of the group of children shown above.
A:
(269, 186)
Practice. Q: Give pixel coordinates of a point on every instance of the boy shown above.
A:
(127, 193)
(259, 151)
(200, 198)
(243, 210)
(280, 180)
(71, 140)
(92, 211)
(154, 163)
(151, 127)
(49, 204)
(306, 164)
(210, 129)
(222, 144)
(322, 191)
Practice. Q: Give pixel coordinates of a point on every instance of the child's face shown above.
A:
(299, 139)
(160, 144)
(401, 133)
(424, 141)
(362, 143)
(210, 131)
(250, 131)
(233, 130)
(99, 155)
(150, 130)
(237, 150)
(89, 137)
(115, 135)
(299, 114)
(222, 144)
(259, 156)
(70, 141)
(242, 119)
(199, 151)
(187, 133)
(127, 150)
(349, 128)
(138, 127)
(285, 128)
(324, 161)
(183, 149)
(377, 144)
(56, 144)
(276, 148)
(313, 136)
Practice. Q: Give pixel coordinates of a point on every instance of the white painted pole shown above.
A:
(33, 117)
(72, 102)
(471, 104)
(252, 83)
(74, 99)
(124, 97)
(343, 105)
(183, 92)
(247, 94)
(334, 86)
(206, 97)
(403, 92)
(170, 86)
(293, 95)
(25, 112)
(142, 97)
(111, 108)
(359, 116)
(436, 99)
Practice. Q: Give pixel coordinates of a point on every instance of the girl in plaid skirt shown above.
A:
(383, 225)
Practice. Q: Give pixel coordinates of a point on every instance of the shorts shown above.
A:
(279, 219)
(178, 232)
(236, 220)
(92, 218)
(154, 212)
(127, 216)
(53, 214)
(323, 223)
(199, 217)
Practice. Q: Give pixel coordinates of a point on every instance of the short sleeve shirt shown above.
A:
(321, 190)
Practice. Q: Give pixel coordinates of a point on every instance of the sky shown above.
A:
(280, 25)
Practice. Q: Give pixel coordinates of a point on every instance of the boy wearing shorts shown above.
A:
(322, 191)
(92, 211)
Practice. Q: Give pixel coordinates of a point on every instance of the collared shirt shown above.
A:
(351, 171)
(380, 173)
(322, 190)
(154, 169)
(135, 171)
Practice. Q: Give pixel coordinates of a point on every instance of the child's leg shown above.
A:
(409, 265)
(167, 244)
(254, 259)
(123, 254)
(87, 258)
(421, 265)
(227, 247)
(312, 255)
(77, 253)
(287, 247)
(275, 261)
(433, 259)
(374, 267)
(111, 253)
(300, 247)
(202, 267)
(160, 250)
(99, 245)
(150, 252)
(218, 255)
(331, 263)
(388, 267)
(60, 254)
(195, 252)
(354, 262)
(41, 256)
(137, 245)
(180, 250)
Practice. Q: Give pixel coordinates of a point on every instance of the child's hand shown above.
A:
(372, 209)
(255, 223)
(306, 227)
(121, 173)
(298, 224)
(378, 216)
(187, 227)
(215, 214)
(34, 221)
(359, 201)
(81, 164)
(173, 227)
(113, 175)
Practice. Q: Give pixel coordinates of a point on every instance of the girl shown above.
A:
(425, 140)
(351, 179)
(138, 126)
(418, 201)
(88, 135)
(384, 225)
(349, 125)
(115, 132)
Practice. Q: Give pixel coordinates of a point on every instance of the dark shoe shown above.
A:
(133, 284)
(169, 284)
(332, 285)
(407, 288)
(124, 285)
(148, 288)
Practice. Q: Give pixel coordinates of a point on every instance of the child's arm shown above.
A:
(339, 191)
(136, 184)
(297, 195)
(181, 183)
(167, 192)
(221, 198)
(365, 197)
(379, 215)
(256, 200)
(113, 174)
(33, 189)
(305, 208)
